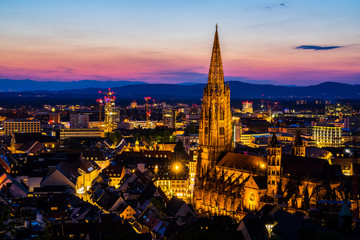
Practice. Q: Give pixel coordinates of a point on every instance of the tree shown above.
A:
(179, 147)
(191, 129)
(115, 137)
(179, 152)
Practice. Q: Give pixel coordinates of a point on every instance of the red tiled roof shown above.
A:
(241, 161)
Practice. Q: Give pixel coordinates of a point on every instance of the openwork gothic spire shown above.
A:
(216, 72)
(215, 124)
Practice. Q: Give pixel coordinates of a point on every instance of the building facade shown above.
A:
(327, 136)
(169, 117)
(79, 121)
(21, 126)
(247, 107)
(81, 133)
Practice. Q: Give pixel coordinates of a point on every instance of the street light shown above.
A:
(176, 167)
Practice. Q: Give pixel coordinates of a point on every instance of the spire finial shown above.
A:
(216, 74)
(274, 141)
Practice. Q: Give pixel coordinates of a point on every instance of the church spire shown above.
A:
(298, 141)
(298, 147)
(274, 142)
(215, 130)
(216, 72)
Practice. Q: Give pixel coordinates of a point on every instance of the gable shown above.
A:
(56, 179)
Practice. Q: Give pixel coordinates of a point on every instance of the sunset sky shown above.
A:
(295, 42)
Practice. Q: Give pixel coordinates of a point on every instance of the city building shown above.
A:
(190, 141)
(81, 133)
(338, 109)
(55, 118)
(173, 179)
(237, 131)
(169, 117)
(110, 111)
(139, 124)
(247, 107)
(32, 143)
(48, 117)
(79, 121)
(327, 135)
(21, 126)
(192, 119)
(352, 123)
(116, 174)
(101, 158)
(133, 104)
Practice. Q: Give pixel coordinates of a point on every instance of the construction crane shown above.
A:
(147, 111)
(100, 101)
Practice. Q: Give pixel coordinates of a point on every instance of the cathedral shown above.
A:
(231, 184)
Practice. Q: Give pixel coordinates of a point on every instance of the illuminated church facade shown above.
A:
(231, 184)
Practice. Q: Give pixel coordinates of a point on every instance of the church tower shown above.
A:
(298, 148)
(274, 166)
(215, 132)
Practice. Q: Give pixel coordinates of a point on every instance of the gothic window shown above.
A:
(277, 162)
(206, 130)
(222, 131)
(221, 114)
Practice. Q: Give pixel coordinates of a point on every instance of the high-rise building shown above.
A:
(215, 132)
(237, 131)
(169, 117)
(110, 111)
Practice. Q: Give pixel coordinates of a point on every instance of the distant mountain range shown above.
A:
(136, 90)
(238, 90)
(8, 85)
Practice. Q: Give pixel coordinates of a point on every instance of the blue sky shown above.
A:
(281, 42)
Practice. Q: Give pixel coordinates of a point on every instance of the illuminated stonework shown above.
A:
(274, 166)
(215, 130)
(231, 184)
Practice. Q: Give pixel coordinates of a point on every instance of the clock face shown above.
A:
(252, 196)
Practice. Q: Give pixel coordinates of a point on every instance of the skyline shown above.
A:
(275, 42)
